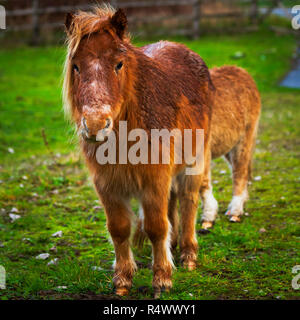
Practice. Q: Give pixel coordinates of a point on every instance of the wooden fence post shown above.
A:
(196, 19)
(35, 36)
(254, 12)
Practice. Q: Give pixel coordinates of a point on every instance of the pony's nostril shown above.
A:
(108, 122)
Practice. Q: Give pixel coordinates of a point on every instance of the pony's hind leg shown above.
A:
(240, 158)
(209, 203)
(188, 199)
(119, 225)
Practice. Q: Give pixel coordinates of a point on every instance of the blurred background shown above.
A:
(41, 21)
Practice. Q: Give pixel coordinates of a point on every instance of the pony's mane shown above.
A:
(83, 23)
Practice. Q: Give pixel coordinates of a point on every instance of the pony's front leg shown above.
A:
(119, 224)
(158, 229)
(188, 200)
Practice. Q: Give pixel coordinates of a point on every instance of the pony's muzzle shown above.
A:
(95, 129)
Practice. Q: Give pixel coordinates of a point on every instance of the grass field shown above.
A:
(48, 186)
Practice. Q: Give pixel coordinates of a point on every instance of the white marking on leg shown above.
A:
(236, 206)
(168, 246)
(141, 216)
(210, 205)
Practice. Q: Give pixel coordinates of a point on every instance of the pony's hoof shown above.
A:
(122, 291)
(235, 219)
(203, 231)
(207, 225)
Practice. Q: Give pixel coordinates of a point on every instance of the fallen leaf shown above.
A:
(238, 55)
(43, 256)
(95, 268)
(97, 208)
(53, 249)
(52, 262)
(14, 217)
(57, 234)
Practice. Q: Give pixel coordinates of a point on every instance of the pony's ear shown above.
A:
(119, 22)
(68, 22)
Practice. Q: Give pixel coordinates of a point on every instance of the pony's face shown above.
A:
(98, 76)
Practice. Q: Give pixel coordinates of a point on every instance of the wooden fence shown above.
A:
(188, 14)
(36, 11)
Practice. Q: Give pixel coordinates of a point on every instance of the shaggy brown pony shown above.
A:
(159, 86)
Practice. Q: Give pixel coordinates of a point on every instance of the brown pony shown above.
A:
(159, 86)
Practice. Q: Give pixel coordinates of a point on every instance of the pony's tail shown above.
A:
(139, 236)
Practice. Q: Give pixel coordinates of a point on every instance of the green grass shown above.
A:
(286, 3)
(236, 261)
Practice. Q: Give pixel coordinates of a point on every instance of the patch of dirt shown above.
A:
(52, 294)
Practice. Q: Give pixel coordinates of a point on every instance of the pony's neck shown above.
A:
(150, 97)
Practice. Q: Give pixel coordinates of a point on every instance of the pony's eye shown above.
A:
(119, 66)
(75, 68)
